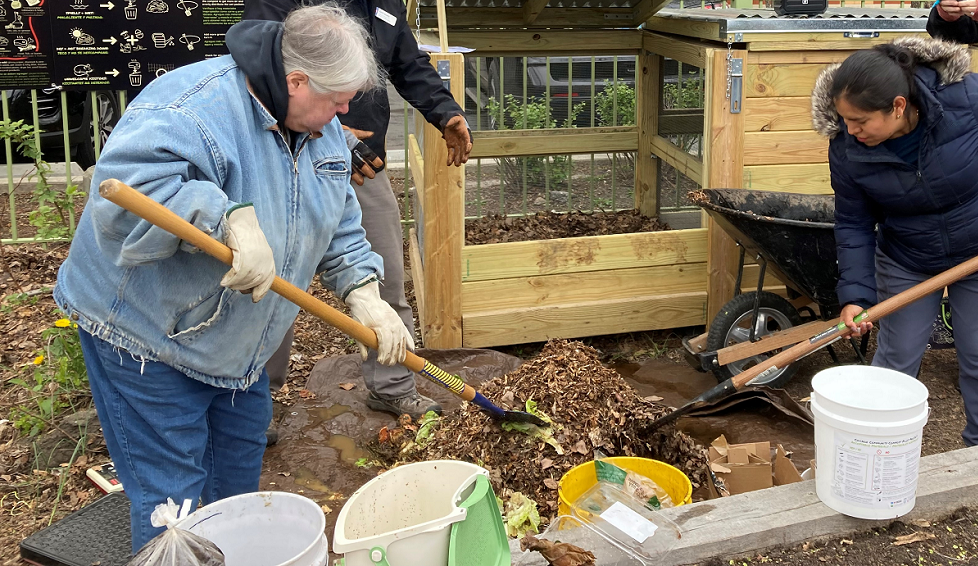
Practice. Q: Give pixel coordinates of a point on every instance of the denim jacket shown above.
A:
(197, 141)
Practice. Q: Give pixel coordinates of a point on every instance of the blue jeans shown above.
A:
(903, 335)
(172, 436)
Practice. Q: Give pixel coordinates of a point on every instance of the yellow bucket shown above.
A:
(582, 477)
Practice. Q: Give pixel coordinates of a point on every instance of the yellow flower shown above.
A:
(63, 323)
(73, 325)
(39, 360)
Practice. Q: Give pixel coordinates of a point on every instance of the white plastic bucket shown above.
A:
(405, 515)
(868, 427)
(266, 528)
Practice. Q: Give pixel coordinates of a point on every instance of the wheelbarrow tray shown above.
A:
(793, 232)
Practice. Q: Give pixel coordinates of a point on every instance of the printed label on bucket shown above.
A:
(876, 472)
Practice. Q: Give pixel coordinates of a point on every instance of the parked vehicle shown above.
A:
(81, 132)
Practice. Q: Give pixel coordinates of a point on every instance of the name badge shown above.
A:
(386, 16)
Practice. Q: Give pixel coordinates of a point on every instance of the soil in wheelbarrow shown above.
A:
(496, 229)
(592, 408)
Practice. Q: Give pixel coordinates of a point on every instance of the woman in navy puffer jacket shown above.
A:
(903, 123)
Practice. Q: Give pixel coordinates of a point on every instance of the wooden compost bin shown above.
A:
(759, 71)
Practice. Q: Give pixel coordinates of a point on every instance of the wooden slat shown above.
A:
(444, 230)
(442, 26)
(725, 169)
(685, 29)
(513, 17)
(819, 42)
(416, 161)
(646, 9)
(675, 156)
(811, 179)
(683, 50)
(417, 273)
(795, 57)
(532, 9)
(783, 148)
(555, 141)
(540, 42)
(780, 79)
(974, 59)
(518, 326)
(575, 255)
(647, 100)
(778, 114)
(550, 290)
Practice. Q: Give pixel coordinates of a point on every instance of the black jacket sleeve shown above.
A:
(416, 80)
(273, 10)
(962, 30)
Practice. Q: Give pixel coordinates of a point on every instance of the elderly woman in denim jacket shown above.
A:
(901, 117)
(247, 148)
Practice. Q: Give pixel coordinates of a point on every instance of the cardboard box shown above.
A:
(739, 468)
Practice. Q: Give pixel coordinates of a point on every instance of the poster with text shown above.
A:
(26, 58)
(219, 15)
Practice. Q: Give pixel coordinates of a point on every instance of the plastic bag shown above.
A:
(638, 486)
(175, 546)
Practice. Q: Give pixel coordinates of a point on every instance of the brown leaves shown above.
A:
(550, 483)
(558, 553)
(494, 228)
(306, 394)
(918, 536)
(347, 386)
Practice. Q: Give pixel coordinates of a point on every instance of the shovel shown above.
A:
(822, 339)
(155, 213)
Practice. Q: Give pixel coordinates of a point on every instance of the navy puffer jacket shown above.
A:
(924, 218)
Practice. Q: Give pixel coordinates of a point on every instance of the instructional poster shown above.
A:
(123, 44)
(26, 59)
(219, 15)
(876, 472)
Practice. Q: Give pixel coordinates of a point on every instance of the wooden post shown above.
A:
(724, 163)
(443, 202)
(648, 101)
(442, 27)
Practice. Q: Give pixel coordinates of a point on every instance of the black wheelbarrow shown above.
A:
(792, 237)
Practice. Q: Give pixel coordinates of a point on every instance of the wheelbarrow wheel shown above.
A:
(732, 326)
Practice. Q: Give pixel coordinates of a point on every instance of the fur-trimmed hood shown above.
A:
(951, 61)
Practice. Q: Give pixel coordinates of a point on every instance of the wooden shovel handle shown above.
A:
(873, 314)
(155, 213)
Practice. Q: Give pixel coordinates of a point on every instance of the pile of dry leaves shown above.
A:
(591, 407)
(495, 228)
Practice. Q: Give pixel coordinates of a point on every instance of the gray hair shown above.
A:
(331, 47)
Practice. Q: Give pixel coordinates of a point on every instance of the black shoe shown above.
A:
(414, 404)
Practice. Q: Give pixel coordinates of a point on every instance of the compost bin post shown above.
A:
(724, 163)
(648, 102)
(443, 202)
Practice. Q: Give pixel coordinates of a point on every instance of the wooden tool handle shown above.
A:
(155, 213)
(887, 307)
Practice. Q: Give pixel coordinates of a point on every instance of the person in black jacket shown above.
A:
(392, 389)
(953, 20)
(900, 118)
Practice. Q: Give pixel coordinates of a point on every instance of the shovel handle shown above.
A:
(155, 213)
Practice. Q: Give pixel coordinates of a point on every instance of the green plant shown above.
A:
(534, 114)
(58, 378)
(615, 105)
(14, 300)
(53, 207)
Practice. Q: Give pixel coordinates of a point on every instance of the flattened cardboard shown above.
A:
(739, 468)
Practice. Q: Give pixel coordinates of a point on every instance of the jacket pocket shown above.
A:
(331, 168)
(202, 315)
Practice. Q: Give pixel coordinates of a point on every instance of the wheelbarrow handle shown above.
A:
(155, 213)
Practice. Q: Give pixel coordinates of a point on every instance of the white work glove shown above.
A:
(393, 339)
(252, 267)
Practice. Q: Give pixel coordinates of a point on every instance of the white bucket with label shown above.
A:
(265, 528)
(868, 427)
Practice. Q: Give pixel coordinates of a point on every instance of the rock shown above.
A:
(81, 418)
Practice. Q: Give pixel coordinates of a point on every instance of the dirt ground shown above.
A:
(42, 479)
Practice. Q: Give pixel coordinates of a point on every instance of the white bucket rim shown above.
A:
(255, 494)
(823, 378)
(865, 427)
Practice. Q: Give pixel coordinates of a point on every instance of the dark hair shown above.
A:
(871, 78)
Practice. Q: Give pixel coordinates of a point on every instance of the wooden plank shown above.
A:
(596, 17)
(684, 50)
(974, 59)
(827, 41)
(523, 42)
(417, 273)
(778, 114)
(646, 9)
(788, 337)
(648, 102)
(675, 156)
(589, 253)
(518, 326)
(781, 79)
(724, 159)
(444, 230)
(442, 26)
(795, 57)
(416, 162)
(684, 28)
(553, 141)
(585, 287)
(810, 179)
(783, 148)
(532, 9)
